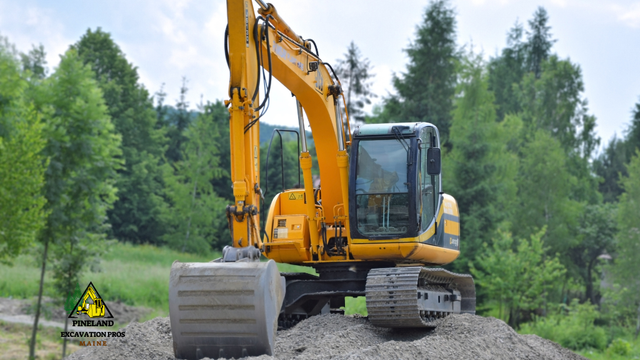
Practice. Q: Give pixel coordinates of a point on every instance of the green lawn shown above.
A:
(136, 275)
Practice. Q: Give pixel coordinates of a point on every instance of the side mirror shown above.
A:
(433, 161)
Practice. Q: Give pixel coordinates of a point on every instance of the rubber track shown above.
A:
(392, 295)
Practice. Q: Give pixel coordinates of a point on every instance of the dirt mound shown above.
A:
(345, 337)
(147, 340)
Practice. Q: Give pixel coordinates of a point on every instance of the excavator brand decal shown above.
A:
(453, 241)
(281, 52)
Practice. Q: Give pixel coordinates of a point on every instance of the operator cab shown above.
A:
(395, 193)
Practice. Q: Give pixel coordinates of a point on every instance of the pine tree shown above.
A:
(355, 75)
(611, 163)
(135, 216)
(633, 132)
(425, 91)
(178, 121)
(506, 71)
(539, 41)
(519, 58)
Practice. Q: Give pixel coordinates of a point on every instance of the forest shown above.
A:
(550, 216)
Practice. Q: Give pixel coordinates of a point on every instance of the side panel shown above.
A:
(287, 227)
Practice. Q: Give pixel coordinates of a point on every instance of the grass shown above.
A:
(137, 275)
(356, 305)
(14, 342)
(611, 354)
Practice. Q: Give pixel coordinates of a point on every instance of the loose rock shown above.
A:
(347, 337)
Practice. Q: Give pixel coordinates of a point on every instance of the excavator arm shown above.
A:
(267, 42)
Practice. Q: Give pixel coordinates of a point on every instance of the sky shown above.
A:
(168, 40)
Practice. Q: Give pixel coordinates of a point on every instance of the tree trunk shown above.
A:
(64, 341)
(32, 344)
(590, 294)
(193, 201)
(638, 324)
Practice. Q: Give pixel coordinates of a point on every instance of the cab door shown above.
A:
(428, 186)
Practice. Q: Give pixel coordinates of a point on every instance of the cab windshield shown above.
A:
(382, 193)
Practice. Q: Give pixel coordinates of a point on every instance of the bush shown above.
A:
(619, 347)
(573, 328)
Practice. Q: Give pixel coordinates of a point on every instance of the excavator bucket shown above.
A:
(224, 309)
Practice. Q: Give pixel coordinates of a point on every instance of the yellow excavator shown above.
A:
(378, 220)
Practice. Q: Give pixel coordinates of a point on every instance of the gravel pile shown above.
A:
(345, 337)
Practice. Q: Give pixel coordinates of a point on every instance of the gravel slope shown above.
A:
(345, 337)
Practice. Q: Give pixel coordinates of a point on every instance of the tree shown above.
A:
(177, 122)
(625, 269)
(519, 58)
(83, 149)
(633, 132)
(506, 71)
(554, 103)
(544, 189)
(425, 91)
(196, 218)
(22, 165)
(479, 170)
(515, 273)
(355, 75)
(539, 41)
(136, 214)
(611, 163)
(35, 62)
(596, 233)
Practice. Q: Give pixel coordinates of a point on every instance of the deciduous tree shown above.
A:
(84, 152)
(516, 273)
(625, 269)
(196, 217)
(479, 170)
(136, 214)
(544, 194)
(22, 164)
